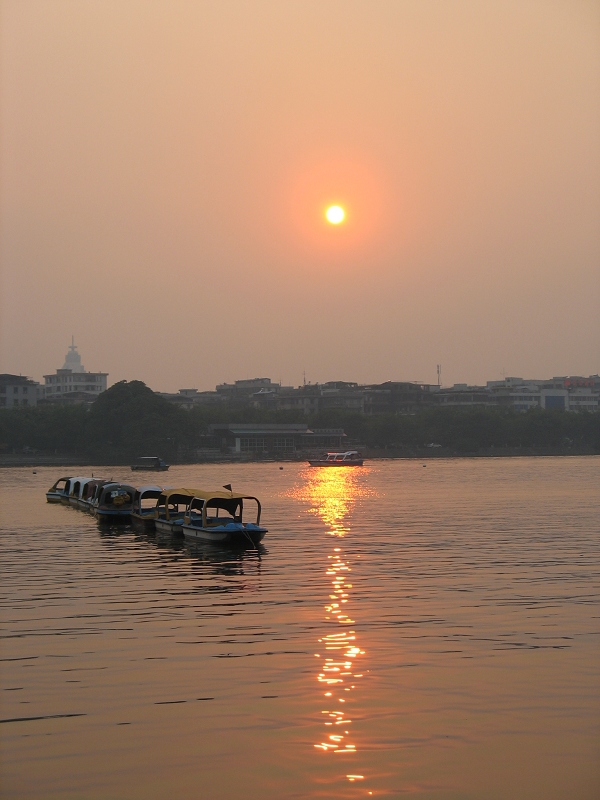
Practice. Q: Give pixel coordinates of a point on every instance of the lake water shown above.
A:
(404, 631)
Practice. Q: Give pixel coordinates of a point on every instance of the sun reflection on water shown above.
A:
(332, 492)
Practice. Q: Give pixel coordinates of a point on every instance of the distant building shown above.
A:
(72, 384)
(189, 398)
(243, 391)
(272, 439)
(573, 393)
(17, 391)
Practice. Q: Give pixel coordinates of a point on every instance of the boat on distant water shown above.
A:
(112, 502)
(170, 509)
(350, 458)
(144, 505)
(150, 464)
(57, 491)
(217, 517)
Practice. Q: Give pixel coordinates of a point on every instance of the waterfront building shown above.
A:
(18, 391)
(273, 440)
(72, 384)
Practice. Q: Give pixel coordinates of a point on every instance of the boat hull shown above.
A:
(240, 536)
(358, 463)
(142, 521)
(166, 526)
(112, 515)
(54, 497)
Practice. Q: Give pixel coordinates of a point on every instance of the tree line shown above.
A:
(129, 420)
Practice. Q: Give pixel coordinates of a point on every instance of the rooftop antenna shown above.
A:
(439, 374)
(304, 375)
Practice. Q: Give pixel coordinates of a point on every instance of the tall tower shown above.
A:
(73, 359)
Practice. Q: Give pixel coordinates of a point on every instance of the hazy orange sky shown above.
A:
(166, 166)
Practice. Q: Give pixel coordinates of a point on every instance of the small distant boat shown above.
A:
(217, 517)
(57, 492)
(113, 502)
(144, 505)
(150, 464)
(351, 458)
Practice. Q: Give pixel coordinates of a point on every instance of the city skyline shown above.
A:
(72, 361)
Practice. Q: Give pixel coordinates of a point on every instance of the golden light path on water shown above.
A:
(332, 492)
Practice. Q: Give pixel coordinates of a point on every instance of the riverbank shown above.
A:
(370, 453)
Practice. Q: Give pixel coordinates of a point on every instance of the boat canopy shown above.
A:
(149, 488)
(65, 479)
(166, 494)
(219, 495)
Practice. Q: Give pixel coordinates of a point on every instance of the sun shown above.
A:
(335, 215)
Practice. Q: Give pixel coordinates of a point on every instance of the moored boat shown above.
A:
(68, 491)
(57, 491)
(113, 502)
(170, 509)
(217, 517)
(144, 505)
(350, 458)
(93, 490)
(150, 464)
(73, 489)
(80, 489)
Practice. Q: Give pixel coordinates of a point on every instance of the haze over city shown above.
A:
(167, 168)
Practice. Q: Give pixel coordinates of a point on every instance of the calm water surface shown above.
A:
(405, 631)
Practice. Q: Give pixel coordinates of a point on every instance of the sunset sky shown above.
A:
(166, 166)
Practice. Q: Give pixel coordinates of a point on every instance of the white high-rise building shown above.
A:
(72, 384)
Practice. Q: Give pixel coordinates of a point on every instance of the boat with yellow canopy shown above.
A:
(170, 508)
(217, 516)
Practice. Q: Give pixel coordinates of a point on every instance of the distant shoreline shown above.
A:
(370, 454)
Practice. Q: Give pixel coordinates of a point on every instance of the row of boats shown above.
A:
(209, 516)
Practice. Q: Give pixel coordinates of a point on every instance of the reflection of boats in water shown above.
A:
(150, 464)
(196, 557)
(350, 458)
(217, 517)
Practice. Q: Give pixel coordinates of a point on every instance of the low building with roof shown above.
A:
(273, 440)
(18, 391)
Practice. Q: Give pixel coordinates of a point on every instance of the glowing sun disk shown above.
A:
(335, 215)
